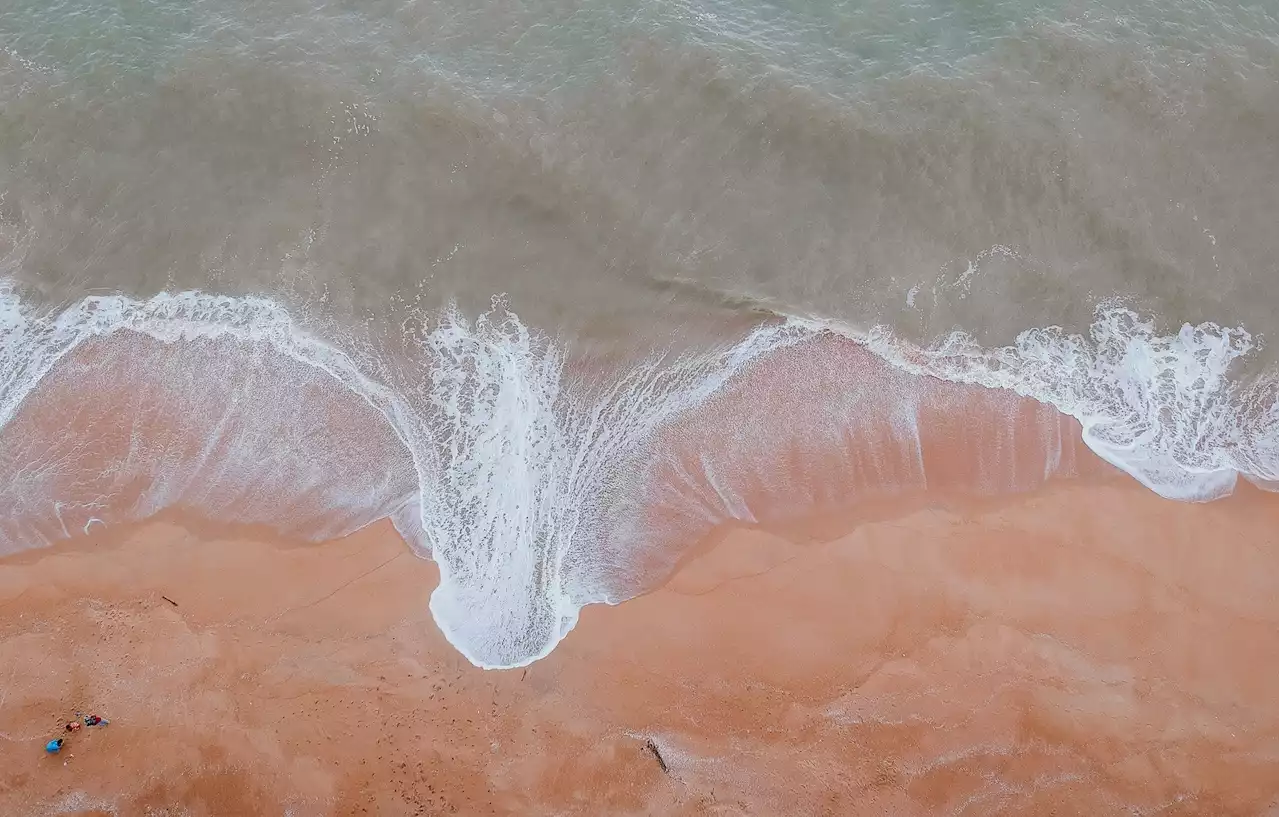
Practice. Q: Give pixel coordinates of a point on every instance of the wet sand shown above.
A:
(1084, 649)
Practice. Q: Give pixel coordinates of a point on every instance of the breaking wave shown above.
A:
(1162, 408)
(539, 486)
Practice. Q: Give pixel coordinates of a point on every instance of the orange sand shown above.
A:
(1087, 649)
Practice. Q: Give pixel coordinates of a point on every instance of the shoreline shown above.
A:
(1081, 647)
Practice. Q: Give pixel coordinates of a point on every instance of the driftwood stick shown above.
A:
(653, 749)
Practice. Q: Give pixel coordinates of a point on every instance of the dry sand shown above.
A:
(1086, 649)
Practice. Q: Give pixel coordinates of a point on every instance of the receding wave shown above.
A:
(1161, 407)
(540, 485)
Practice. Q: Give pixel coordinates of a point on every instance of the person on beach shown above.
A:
(53, 746)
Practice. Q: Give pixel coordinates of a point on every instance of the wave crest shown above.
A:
(1163, 408)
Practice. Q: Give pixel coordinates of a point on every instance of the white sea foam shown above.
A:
(207, 384)
(514, 460)
(522, 464)
(530, 478)
(1160, 407)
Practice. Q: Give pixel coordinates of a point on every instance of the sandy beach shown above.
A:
(1087, 649)
(614, 409)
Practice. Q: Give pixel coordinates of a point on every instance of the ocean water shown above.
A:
(559, 287)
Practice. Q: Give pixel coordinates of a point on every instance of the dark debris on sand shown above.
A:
(653, 749)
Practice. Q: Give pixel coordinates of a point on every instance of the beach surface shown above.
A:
(685, 407)
(1088, 648)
